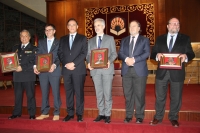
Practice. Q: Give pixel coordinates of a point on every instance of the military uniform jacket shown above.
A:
(26, 59)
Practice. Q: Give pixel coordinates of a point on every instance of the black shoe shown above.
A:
(139, 120)
(68, 117)
(79, 118)
(32, 117)
(127, 120)
(14, 116)
(107, 119)
(99, 118)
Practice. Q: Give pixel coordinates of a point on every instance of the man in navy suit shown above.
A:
(134, 50)
(24, 77)
(172, 42)
(72, 52)
(52, 77)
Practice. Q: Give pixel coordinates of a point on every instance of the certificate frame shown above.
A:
(9, 62)
(44, 62)
(170, 61)
(99, 58)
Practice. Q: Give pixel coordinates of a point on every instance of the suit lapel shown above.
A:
(176, 43)
(45, 45)
(126, 43)
(137, 43)
(94, 43)
(74, 42)
(53, 46)
(165, 44)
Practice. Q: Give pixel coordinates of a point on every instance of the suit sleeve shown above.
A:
(60, 51)
(189, 51)
(57, 61)
(113, 53)
(121, 54)
(154, 51)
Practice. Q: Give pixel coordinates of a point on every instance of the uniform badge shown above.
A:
(28, 52)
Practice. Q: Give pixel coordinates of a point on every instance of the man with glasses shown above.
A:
(52, 77)
(172, 42)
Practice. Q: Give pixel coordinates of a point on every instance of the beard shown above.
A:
(174, 31)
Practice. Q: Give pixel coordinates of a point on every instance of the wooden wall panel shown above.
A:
(59, 11)
(75, 9)
(188, 14)
(56, 14)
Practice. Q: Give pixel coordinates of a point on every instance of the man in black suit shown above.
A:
(72, 52)
(134, 51)
(24, 77)
(172, 42)
(52, 77)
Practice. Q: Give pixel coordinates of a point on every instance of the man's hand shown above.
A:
(19, 69)
(36, 71)
(159, 55)
(52, 68)
(89, 67)
(70, 66)
(130, 61)
(183, 57)
(108, 65)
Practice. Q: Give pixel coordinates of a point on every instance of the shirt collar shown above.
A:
(136, 36)
(25, 44)
(74, 34)
(169, 34)
(52, 39)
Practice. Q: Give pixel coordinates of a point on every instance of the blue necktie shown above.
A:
(131, 47)
(71, 41)
(49, 45)
(99, 42)
(170, 44)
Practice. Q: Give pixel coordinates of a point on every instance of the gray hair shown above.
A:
(101, 20)
(25, 31)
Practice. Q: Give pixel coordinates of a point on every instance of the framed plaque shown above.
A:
(99, 58)
(9, 62)
(170, 61)
(44, 62)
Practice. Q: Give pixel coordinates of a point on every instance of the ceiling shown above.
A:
(34, 8)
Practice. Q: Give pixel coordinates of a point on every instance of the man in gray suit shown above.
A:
(134, 50)
(102, 77)
(52, 77)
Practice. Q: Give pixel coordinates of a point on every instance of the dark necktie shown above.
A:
(170, 44)
(23, 46)
(71, 41)
(131, 47)
(99, 42)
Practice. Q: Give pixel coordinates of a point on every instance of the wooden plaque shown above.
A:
(9, 62)
(170, 61)
(44, 62)
(99, 58)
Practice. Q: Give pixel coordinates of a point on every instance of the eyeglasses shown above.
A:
(48, 30)
(175, 24)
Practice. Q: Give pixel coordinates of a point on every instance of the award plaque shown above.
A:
(170, 61)
(44, 62)
(99, 58)
(9, 62)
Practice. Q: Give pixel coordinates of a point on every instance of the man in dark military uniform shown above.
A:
(24, 77)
